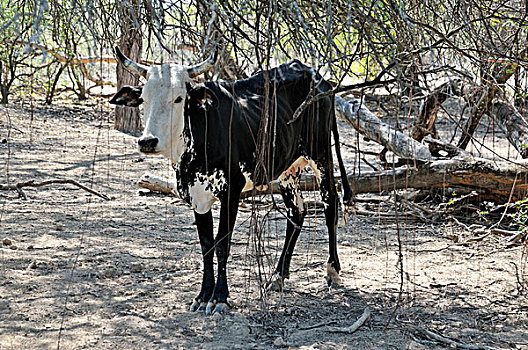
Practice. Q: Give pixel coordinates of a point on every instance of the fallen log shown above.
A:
(492, 180)
(498, 181)
(364, 121)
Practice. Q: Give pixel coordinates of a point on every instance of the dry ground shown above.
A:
(77, 271)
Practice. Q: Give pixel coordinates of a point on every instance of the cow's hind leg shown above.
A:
(289, 186)
(204, 224)
(331, 200)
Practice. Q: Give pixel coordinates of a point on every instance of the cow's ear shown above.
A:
(202, 95)
(128, 96)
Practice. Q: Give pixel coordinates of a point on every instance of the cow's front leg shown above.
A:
(228, 213)
(204, 224)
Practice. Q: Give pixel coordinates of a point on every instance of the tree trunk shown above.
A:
(127, 119)
(480, 107)
(5, 94)
(51, 91)
(425, 121)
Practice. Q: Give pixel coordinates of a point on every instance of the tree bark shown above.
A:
(127, 119)
(492, 180)
(363, 120)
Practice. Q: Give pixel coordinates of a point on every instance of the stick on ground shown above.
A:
(18, 186)
(355, 326)
(447, 341)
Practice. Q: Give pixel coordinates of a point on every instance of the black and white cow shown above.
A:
(224, 138)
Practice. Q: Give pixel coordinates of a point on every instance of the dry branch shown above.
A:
(157, 184)
(500, 74)
(18, 186)
(447, 341)
(355, 326)
(425, 120)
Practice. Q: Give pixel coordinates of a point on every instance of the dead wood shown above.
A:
(425, 120)
(18, 186)
(514, 125)
(157, 184)
(355, 326)
(451, 343)
(365, 122)
(491, 180)
(483, 98)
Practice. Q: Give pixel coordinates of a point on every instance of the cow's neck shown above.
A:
(181, 143)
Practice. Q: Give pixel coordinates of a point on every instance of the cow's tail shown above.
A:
(347, 191)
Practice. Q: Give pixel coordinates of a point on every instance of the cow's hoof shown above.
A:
(216, 308)
(276, 283)
(332, 276)
(197, 306)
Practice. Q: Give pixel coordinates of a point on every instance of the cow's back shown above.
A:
(235, 123)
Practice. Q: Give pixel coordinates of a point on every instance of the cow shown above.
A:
(225, 138)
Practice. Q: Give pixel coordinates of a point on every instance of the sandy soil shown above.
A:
(77, 271)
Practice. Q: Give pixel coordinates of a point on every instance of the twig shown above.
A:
(518, 237)
(18, 187)
(450, 342)
(354, 327)
(317, 325)
(477, 238)
(521, 285)
(388, 215)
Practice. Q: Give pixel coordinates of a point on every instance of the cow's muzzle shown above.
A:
(148, 144)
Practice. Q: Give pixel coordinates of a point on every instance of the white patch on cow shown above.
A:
(163, 116)
(249, 183)
(290, 183)
(296, 168)
(243, 102)
(316, 171)
(204, 189)
(201, 198)
(289, 180)
(332, 276)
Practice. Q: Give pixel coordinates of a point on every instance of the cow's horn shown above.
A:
(131, 65)
(200, 68)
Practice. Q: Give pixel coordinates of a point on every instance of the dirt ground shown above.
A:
(78, 271)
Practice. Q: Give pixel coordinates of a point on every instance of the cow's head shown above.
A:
(163, 96)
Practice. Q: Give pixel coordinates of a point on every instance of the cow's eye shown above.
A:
(178, 99)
